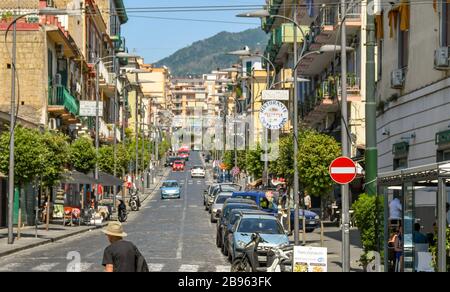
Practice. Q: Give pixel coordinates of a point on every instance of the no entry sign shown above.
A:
(343, 170)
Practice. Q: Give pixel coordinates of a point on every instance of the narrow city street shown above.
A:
(173, 235)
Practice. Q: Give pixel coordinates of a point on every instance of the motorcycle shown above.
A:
(279, 259)
(134, 202)
(123, 216)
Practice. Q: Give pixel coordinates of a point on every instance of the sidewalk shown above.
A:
(332, 241)
(56, 232)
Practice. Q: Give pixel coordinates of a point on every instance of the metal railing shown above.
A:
(60, 96)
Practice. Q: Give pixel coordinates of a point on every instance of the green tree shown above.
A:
(82, 155)
(366, 209)
(106, 159)
(283, 166)
(30, 154)
(253, 163)
(316, 152)
(57, 147)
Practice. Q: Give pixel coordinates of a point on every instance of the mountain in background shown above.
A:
(207, 55)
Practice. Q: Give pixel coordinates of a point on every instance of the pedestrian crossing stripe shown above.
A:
(84, 267)
(155, 267)
(45, 267)
(188, 268)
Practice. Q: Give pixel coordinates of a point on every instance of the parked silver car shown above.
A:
(219, 201)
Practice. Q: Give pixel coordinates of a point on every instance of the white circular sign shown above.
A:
(273, 115)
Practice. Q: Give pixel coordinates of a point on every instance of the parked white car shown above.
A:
(198, 171)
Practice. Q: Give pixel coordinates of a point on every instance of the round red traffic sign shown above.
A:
(343, 170)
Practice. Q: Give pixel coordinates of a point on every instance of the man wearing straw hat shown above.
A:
(121, 255)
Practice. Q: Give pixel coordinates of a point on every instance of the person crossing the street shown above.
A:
(121, 255)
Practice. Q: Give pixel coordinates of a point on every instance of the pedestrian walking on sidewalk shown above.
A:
(121, 255)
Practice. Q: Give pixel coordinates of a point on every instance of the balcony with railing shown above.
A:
(324, 99)
(62, 103)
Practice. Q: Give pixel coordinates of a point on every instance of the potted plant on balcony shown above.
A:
(7, 16)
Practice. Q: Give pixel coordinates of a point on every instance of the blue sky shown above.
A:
(155, 39)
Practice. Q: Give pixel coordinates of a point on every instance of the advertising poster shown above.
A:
(310, 259)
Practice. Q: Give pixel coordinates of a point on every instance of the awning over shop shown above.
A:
(75, 177)
(107, 180)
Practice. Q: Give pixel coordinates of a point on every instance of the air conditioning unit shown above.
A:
(441, 58)
(52, 124)
(57, 80)
(397, 79)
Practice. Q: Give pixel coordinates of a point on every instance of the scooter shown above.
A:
(279, 259)
(134, 202)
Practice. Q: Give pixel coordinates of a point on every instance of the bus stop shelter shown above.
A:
(423, 193)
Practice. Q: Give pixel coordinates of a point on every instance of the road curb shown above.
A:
(49, 240)
(78, 232)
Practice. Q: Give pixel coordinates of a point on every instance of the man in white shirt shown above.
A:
(307, 201)
(395, 210)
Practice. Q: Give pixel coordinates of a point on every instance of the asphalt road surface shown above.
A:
(173, 235)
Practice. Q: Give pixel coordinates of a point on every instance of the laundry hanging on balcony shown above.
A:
(435, 4)
(379, 29)
(401, 11)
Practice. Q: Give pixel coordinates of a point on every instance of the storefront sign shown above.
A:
(273, 115)
(88, 108)
(310, 259)
(275, 95)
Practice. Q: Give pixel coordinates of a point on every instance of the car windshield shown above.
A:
(234, 218)
(178, 162)
(197, 168)
(221, 198)
(229, 208)
(248, 197)
(170, 184)
(264, 226)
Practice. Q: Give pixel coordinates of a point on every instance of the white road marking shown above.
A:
(9, 267)
(223, 269)
(183, 219)
(190, 182)
(188, 268)
(86, 266)
(194, 206)
(46, 267)
(163, 206)
(155, 267)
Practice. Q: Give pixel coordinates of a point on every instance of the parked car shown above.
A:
(225, 222)
(170, 189)
(184, 155)
(230, 205)
(217, 205)
(178, 165)
(260, 199)
(198, 171)
(312, 220)
(207, 191)
(220, 188)
(267, 226)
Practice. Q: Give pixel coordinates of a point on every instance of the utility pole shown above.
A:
(141, 126)
(11, 140)
(266, 138)
(136, 129)
(97, 123)
(345, 143)
(116, 70)
(295, 122)
(371, 111)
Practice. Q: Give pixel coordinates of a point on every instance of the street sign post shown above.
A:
(88, 108)
(343, 170)
(273, 115)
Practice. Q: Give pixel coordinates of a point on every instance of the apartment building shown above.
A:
(57, 62)
(319, 105)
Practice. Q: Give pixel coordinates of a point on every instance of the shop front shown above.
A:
(416, 205)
